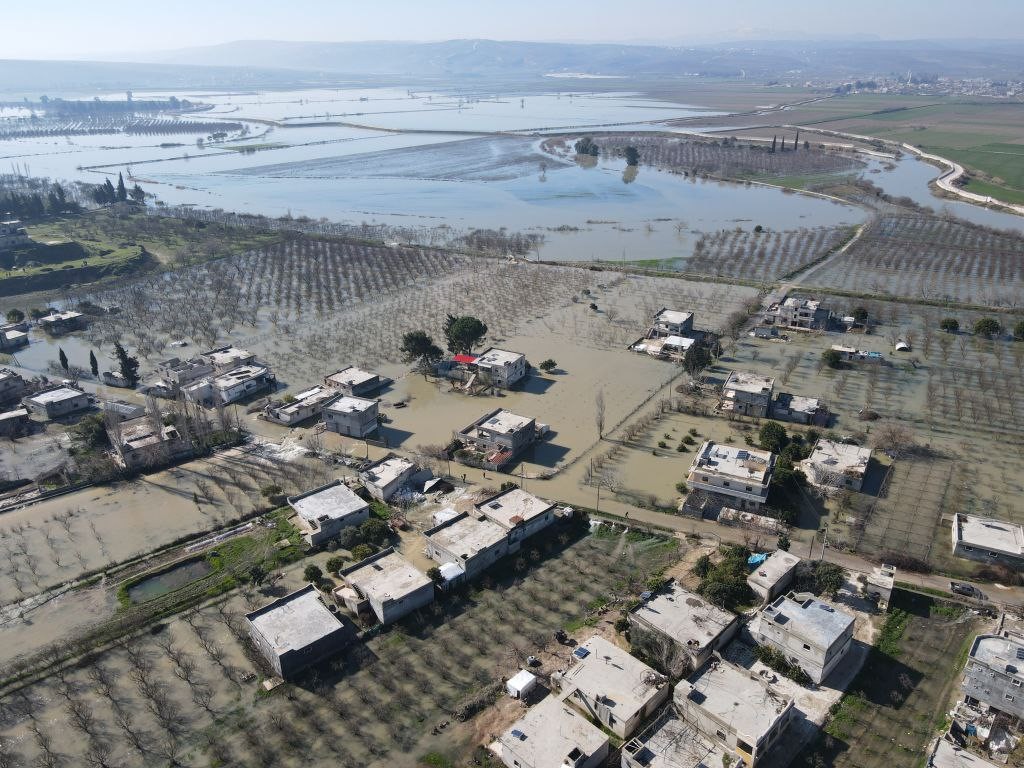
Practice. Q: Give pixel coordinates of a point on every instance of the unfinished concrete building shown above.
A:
(387, 584)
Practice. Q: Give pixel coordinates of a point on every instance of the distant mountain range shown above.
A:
(269, 63)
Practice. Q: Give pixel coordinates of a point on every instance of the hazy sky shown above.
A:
(76, 28)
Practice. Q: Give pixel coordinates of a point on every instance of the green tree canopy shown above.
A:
(15, 316)
(832, 358)
(94, 364)
(313, 574)
(129, 366)
(63, 358)
(463, 333)
(417, 347)
(987, 327)
(632, 156)
(772, 437)
(950, 324)
(860, 314)
(587, 146)
(548, 365)
(696, 359)
(1018, 330)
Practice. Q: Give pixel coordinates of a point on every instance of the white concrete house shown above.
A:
(324, 511)
(748, 394)
(552, 735)
(57, 401)
(811, 633)
(352, 416)
(473, 544)
(672, 322)
(519, 513)
(988, 541)
(501, 367)
(498, 436)
(771, 577)
(736, 709)
(994, 675)
(305, 405)
(224, 359)
(389, 584)
(740, 475)
(835, 465)
(230, 386)
(386, 477)
(354, 381)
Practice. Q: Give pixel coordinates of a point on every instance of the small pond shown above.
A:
(169, 580)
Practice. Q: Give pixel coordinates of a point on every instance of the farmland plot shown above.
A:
(762, 256)
(932, 258)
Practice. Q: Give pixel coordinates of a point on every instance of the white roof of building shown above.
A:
(17, 413)
(352, 376)
(59, 316)
(497, 357)
(521, 681)
(351, 404)
(309, 397)
(295, 621)
(386, 577)
(7, 373)
(810, 618)
(882, 576)
(746, 381)
(465, 536)
(505, 421)
(799, 403)
(671, 742)
(550, 731)
(745, 464)
(239, 375)
(795, 301)
(335, 501)
(513, 507)
(739, 697)
(672, 316)
(55, 395)
(773, 570)
(385, 472)
(685, 616)
(999, 652)
(993, 535)
(626, 684)
(227, 355)
(682, 342)
(847, 459)
(949, 755)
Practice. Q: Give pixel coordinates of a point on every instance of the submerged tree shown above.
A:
(417, 347)
(463, 333)
(129, 366)
(94, 364)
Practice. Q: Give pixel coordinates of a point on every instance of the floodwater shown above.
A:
(169, 580)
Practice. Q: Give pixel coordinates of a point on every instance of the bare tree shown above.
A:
(599, 413)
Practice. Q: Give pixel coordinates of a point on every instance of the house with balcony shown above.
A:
(386, 584)
(469, 544)
(59, 323)
(799, 314)
(225, 388)
(748, 394)
(994, 674)
(737, 477)
(495, 439)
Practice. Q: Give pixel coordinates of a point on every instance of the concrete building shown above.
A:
(14, 423)
(879, 584)
(738, 519)
(145, 442)
(171, 375)
(13, 235)
(386, 477)
(680, 630)
(988, 541)
(611, 686)
(671, 322)
(498, 437)
(12, 386)
(947, 754)
(500, 367)
(235, 384)
(771, 577)
(835, 465)
(305, 405)
(297, 631)
(354, 382)
(58, 323)
(352, 416)
(994, 675)
(57, 401)
(389, 584)
(748, 394)
(800, 314)
(811, 633)
(671, 742)
(854, 355)
(324, 511)
(552, 735)
(800, 410)
(473, 544)
(519, 513)
(122, 410)
(224, 359)
(736, 709)
(12, 339)
(741, 475)
(664, 347)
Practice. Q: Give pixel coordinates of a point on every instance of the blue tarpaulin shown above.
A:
(756, 560)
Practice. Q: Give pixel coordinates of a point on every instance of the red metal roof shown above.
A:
(464, 358)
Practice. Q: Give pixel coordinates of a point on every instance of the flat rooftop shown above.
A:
(351, 404)
(685, 616)
(513, 507)
(773, 570)
(796, 301)
(386, 576)
(504, 421)
(626, 682)
(7, 373)
(671, 742)
(17, 413)
(466, 535)
(550, 731)
(993, 535)
(55, 395)
(136, 433)
(334, 501)
(949, 755)
(226, 355)
(745, 464)
(840, 457)
(752, 383)
(239, 375)
(496, 357)
(738, 697)
(672, 316)
(882, 576)
(798, 403)
(1000, 652)
(295, 621)
(351, 376)
(54, 317)
(386, 471)
(809, 618)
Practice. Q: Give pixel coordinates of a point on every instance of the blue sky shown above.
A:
(73, 28)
